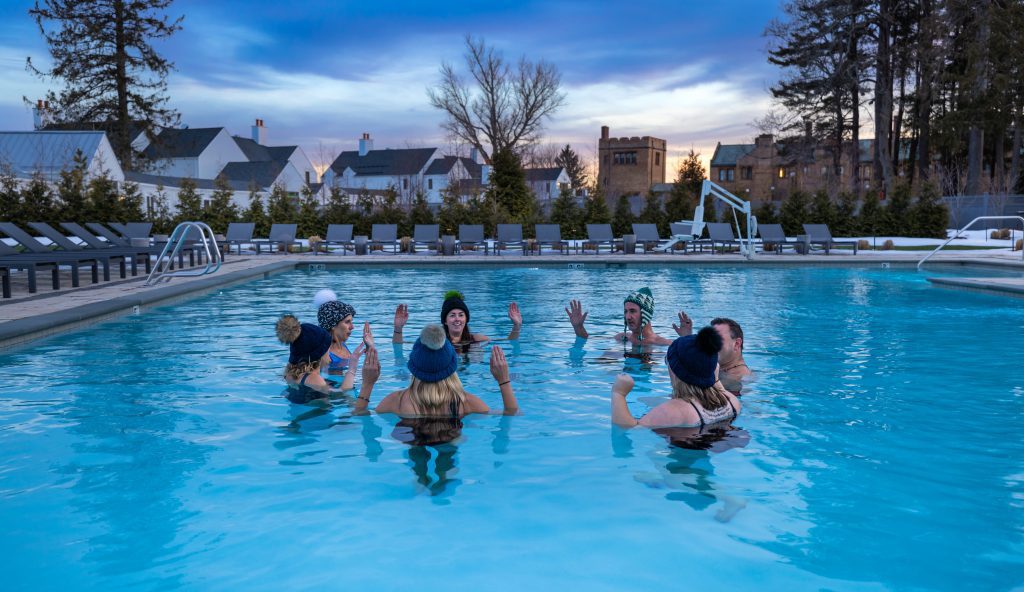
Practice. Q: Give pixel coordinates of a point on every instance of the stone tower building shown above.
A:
(629, 166)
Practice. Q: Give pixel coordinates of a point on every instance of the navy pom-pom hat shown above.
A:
(311, 345)
(693, 358)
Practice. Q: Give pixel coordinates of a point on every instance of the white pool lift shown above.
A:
(697, 224)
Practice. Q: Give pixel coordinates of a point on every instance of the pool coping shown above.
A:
(67, 316)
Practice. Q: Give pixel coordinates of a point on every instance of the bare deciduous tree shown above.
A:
(503, 107)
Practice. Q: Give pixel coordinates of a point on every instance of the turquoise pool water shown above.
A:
(880, 449)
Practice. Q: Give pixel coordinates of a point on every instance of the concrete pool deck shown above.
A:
(27, 317)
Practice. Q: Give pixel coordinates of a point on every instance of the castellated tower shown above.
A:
(629, 166)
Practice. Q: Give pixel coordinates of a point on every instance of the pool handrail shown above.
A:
(969, 224)
(161, 269)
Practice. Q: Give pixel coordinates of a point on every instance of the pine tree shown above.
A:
(190, 204)
(103, 201)
(112, 75)
(71, 191)
(10, 196)
(452, 212)
(897, 213)
(823, 211)
(130, 202)
(310, 221)
(793, 213)
(596, 208)
(567, 214)
(389, 212)
(37, 203)
(420, 212)
(485, 209)
(280, 207)
(766, 213)
(929, 215)
(508, 188)
(846, 215)
(159, 212)
(654, 214)
(339, 209)
(256, 213)
(573, 165)
(622, 220)
(221, 210)
(872, 218)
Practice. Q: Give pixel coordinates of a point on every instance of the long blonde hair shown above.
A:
(446, 397)
(295, 371)
(709, 398)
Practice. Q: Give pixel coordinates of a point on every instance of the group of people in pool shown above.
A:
(706, 369)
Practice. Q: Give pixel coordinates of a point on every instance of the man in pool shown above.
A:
(733, 371)
(637, 312)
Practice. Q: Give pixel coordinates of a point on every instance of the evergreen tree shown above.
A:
(71, 191)
(221, 210)
(766, 213)
(159, 212)
(485, 209)
(622, 220)
(452, 213)
(898, 213)
(131, 202)
(567, 214)
(280, 207)
(103, 200)
(846, 215)
(256, 213)
(596, 209)
(389, 212)
(654, 214)
(929, 215)
(793, 213)
(823, 211)
(690, 178)
(573, 165)
(339, 209)
(37, 203)
(309, 219)
(10, 196)
(190, 204)
(102, 52)
(508, 188)
(420, 212)
(872, 218)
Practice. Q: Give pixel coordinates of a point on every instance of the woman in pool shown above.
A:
(308, 347)
(336, 317)
(435, 389)
(455, 321)
(698, 399)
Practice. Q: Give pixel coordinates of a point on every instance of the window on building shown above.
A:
(782, 173)
(624, 158)
(606, 159)
(747, 173)
(805, 170)
(430, 183)
(657, 159)
(839, 170)
(405, 183)
(824, 171)
(551, 188)
(726, 174)
(307, 177)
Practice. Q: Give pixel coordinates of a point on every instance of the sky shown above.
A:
(320, 73)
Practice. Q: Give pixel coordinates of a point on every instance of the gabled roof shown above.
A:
(181, 143)
(262, 174)
(406, 161)
(134, 128)
(544, 174)
(49, 151)
(281, 153)
(442, 166)
(252, 150)
(730, 154)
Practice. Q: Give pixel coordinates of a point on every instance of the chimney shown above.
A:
(604, 132)
(365, 144)
(39, 114)
(259, 133)
(474, 155)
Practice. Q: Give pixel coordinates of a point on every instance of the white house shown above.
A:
(546, 183)
(199, 153)
(50, 152)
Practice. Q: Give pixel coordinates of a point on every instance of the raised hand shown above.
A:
(371, 366)
(576, 315)
(499, 365)
(401, 316)
(514, 315)
(685, 326)
(623, 384)
(367, 335)
(358, 351)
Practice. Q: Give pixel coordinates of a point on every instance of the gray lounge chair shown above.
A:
(239, 233)
(280, 234)
(426, 234)
(647, 236)
(773, 234)
(74, 258)
(472, 235)
(66, 245)
(683, 232)
(720, 233)
(125, 243)
(819, 234)
(5, 278)
(133, 230)
(385, 235)
(11, 258)
(600, 235)
(95, 242)
(510, 235)
(338, 234)
(551, 235)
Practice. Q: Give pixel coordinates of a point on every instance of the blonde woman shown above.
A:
(308, 354)
(435, 389)
(698, 399)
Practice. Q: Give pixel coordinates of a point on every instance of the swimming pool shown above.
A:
(880, 449)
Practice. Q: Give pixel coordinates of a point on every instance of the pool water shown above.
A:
(880, 448)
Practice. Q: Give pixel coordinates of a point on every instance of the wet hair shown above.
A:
(735, 331)
(445, 398)
(295, 371)
(709, 397)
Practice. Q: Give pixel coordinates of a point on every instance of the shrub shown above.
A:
(888, 245)
(863, 245)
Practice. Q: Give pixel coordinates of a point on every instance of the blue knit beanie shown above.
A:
(308, 343)
(693, 358)
(433, 358)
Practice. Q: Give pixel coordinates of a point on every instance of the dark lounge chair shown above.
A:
(239, 233)
(11, 258)
(599, 235)
(74, 259)
(551, 235)
(682, 232)
(338, 234)
(647, 236)
(426, 234)
(819, 234)
(280, 234)
(720, 233)
(472, 235)
(94, 242)
(773, 234)
(384, 235)
(66, 245)
(509, 235)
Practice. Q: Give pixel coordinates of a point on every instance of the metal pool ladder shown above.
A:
(179, 239)
(969, 224)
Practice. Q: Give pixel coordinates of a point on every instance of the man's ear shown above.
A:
(739, 343)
